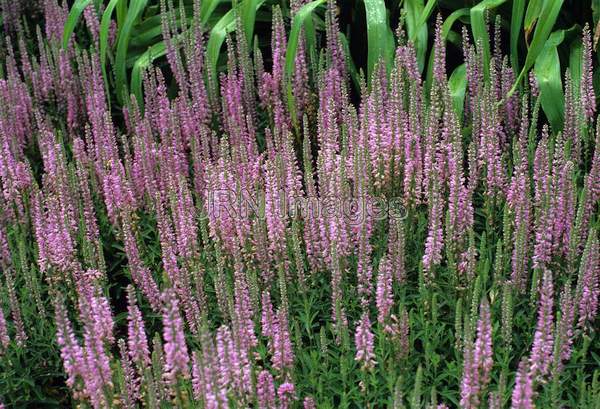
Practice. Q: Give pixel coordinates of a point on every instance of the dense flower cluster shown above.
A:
(179, 199)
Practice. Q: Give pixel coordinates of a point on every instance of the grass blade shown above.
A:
(73, 19)
(425, 14)
(548, 74)
(543, 30)
(104, 30)
(379, 35)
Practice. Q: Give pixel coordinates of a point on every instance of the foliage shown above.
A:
(444, 157)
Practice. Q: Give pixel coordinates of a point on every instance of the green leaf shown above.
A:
(379, 34)
(418, 35)
(249, 9)
(479, 29)
(548, 75)
(575, 67)
(542, 31)
(426, 12)
(516, 20)
(534, 8)
(73, 19)
(351, 66)
(452, 18)
(217, 35)
(142, 63)
(225, 25)
(136, 7)
(457, 83)
(104, 32)
(206, 9)
(302, 17)
(121, 13)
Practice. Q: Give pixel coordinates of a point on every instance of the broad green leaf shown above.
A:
(548, 75)
(145, 34)
(302, 17)
(542, 30)
(379, 35)
(457, 83)
(516, 20)
(73, 19)
(479, 29)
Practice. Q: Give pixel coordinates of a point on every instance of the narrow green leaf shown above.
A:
(73, 19)
(418, 35)
(479, 29)
(575, 66)
(225, 25)
(426, 13)
(302, 17)
(451, 19)
(542, 31)
(136, 7)
(457, 83)
(379, 35)
(141, 64)
(548, 75)
(104, 32)
(206, 9)
(249, 9)
(534, 8)
(121, 13)
(516, 20)
(217, 35)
